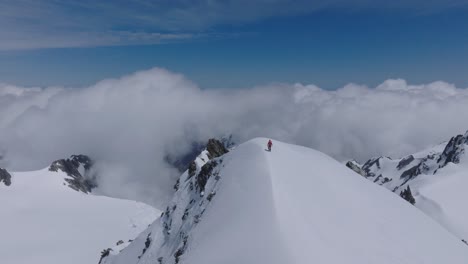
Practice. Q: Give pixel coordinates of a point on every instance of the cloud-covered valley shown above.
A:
(129, 125)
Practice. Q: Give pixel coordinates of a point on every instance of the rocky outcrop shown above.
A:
(355, 167)
(452, 152)
(78, 168)
(405, 162)
(169, 237)
(215, 148)
(5, 177)
(370, 166)
(408, 195)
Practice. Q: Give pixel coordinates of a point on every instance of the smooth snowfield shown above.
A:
(297, 205)
(45, 222)
(444, 197)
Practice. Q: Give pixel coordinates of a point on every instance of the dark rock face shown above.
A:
(405, 161)
(369, 164)
(79, 182)
(147, 245)
(228, 141)
(412, 172)
(5, 177)
(452, 152)
(192, 168)
(407, 195)
(215, 148)
(205, 173)
(104, 254)
(355, 167)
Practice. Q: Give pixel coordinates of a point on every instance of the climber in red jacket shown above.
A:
(269, 145)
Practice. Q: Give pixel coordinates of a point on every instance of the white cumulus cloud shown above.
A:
(130, 124)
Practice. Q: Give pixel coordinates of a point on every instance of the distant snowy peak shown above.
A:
(169, 235)
(5, 177)
(79, 171)
(395, 174)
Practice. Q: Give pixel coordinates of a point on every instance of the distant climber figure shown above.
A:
(269, 145)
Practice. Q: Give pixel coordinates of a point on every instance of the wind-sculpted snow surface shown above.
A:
(44, 221)
(291, 205)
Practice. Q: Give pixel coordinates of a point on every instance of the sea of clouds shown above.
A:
(130, 125)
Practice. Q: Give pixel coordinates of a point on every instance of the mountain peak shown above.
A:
(290, 205)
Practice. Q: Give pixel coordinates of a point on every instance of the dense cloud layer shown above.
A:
(130, 124)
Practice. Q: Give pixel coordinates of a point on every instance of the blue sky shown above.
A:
(229, 44)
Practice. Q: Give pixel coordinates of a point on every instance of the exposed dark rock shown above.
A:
(215, 148)
(204, 174)
(176, 186)
(147, 245)
(120, 242)
(210, 196)
(181, 250)
(192, 169)
(378, 178)
(404, 162)
(355, 167)
(368, 166)
(407, 195)
(452, 151)
(385, 180)
(464, 241)
(5, 177)
(412, 172)
(228, 142)
(104, 253)
(84, 183)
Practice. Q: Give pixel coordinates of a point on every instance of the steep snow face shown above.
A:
(437, 177)
(291, 205)
(42, 220)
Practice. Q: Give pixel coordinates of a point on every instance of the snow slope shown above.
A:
(291, 205)
(437, 176)
(42, 220)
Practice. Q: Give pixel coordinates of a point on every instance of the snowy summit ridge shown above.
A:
(291, 205)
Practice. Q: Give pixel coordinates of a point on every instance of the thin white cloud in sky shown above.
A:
(36, 24)
(130, 124)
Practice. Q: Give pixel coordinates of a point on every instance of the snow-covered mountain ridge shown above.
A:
(50, 216)
(436, 177)
(291, 205)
